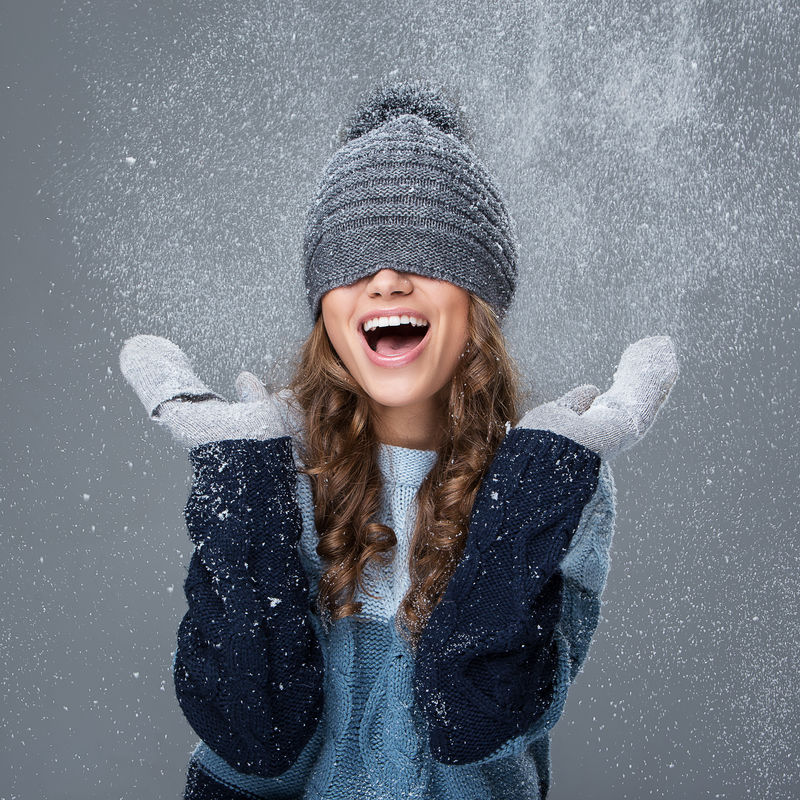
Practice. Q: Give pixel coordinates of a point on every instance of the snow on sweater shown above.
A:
(502, 648)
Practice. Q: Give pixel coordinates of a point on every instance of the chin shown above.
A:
(394, 399)
(395, 394)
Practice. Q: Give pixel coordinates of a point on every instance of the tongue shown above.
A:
(394, 344)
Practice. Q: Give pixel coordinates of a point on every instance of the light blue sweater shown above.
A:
(371, 743)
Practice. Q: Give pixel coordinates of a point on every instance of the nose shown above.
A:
(388, 282)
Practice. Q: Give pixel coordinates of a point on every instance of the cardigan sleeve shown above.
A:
(498, 653)
(248, 669)
(583, 570)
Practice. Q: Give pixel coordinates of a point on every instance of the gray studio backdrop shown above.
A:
(156, 163)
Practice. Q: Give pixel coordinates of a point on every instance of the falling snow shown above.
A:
(160, 161)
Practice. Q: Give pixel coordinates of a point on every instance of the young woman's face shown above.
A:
(401, 363)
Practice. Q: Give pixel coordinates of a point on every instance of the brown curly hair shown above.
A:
(340, 457)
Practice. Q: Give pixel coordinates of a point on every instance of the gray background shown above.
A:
(156, 163)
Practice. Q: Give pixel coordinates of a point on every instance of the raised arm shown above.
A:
(513, 628)
(248, 668)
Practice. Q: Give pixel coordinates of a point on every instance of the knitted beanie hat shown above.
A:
(406, 192)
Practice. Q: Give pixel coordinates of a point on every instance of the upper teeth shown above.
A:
(382, 322)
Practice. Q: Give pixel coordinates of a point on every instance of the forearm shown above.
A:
(248, 669)
(583, 572)
(489, 653)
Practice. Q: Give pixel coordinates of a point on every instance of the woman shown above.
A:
(397, 574)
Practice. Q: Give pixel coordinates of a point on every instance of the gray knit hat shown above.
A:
(406, 192)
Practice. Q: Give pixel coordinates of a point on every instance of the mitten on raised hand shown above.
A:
(248, 669)
(173, 395)
(616, 420)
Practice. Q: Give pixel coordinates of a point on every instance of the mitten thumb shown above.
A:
(579, 398)
(250, 389)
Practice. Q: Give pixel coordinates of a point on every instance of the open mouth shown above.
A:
(395, 340)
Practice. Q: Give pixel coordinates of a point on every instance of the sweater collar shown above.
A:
(403, 465)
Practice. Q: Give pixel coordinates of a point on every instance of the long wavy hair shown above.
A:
(339, 453)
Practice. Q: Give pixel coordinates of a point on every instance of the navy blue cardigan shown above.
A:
(248, 669)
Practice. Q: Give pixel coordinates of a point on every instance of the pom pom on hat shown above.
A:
(421, 98)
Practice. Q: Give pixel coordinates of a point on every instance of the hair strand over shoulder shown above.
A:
(340, 456)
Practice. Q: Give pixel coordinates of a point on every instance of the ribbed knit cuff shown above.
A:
(202, 786)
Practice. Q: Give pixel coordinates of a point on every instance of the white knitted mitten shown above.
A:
(163, 379)
(614, 421)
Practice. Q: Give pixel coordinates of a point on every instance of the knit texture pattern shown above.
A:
(373, 740)
(480, 684)
(410, 197)
(248, 668)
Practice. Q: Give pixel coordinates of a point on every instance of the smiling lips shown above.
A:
(394, 338)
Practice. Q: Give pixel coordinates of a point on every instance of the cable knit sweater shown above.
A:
(287, 709)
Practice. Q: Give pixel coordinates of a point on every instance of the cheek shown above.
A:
(334, 328)
(335, 338)
(343, 347)
(457, 341)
